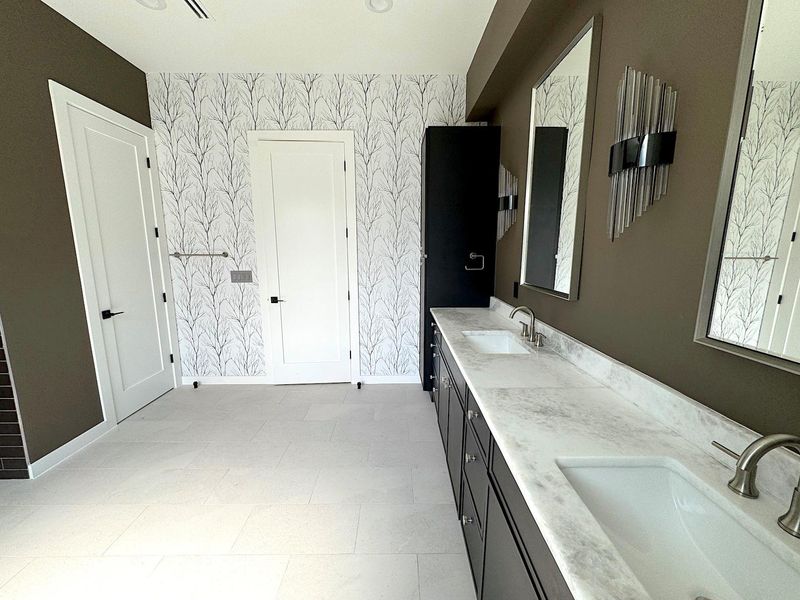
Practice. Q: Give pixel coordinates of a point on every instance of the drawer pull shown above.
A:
(434, 390)
(433, 345)
(473, 414)
(465, 520)
(431, 376)
(434, 355)
(469, 458)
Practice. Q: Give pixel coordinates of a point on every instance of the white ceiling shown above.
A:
(326, 36)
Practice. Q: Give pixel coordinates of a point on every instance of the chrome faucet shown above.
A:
(744, 479)
(528, 331)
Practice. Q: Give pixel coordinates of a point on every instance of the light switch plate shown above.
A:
(241, 277)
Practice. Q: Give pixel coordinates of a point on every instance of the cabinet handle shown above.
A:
(433, 345)
(473, 414)
(431, 377)
(469, 458)
(435, 355)
(465, 520)
(434, 390)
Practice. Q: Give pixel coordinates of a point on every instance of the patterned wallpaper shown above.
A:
(764, 178)
(201, 122)
(561, 102)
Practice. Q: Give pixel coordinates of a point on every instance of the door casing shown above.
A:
(262, 259)
(62, 98)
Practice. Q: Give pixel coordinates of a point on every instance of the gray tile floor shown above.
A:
(317, 492)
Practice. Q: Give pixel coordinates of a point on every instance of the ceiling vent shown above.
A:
(197, 9)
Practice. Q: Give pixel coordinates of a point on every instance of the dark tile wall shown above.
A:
(13, 464)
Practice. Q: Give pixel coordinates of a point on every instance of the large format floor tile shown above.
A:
(178, 529)
(293, 529)
(445, 577)
(63, 530)
(318, 492)
(217, 577)
(351, 577)
(408, 529)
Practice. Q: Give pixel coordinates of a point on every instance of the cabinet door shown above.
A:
(444, 406)
(455, 446)
(505, 576)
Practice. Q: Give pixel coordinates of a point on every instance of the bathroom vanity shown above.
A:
(568, 489)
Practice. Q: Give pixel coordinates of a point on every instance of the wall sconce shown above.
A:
(507, 201)
(644, 147)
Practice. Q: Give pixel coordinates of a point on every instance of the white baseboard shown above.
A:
(387, 379)
(73, 446)
(232, 380)
(256, 379)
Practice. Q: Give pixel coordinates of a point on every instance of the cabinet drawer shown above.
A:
(473, 536)
(538, 554)
(475, 417)
(476, 474)
(457, 379)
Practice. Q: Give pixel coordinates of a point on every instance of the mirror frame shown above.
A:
(595, 24)
(719, 226)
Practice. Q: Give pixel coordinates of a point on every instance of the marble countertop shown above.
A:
(540, 409)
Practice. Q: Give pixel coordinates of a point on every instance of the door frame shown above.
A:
(62, 98)
(346, 137)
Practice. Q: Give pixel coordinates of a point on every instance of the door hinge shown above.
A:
(347, 232)
(780, 298)
(156, 228)
(148, 162)
(351, 355)
(348, 295)
(164, 296)
(345, 166)
(172, 358)
(794, 235)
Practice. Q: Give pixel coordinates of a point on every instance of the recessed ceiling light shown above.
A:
(153, 4)
(379, 6)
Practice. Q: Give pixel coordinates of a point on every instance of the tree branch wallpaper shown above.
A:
(764, 176)
(201, 122)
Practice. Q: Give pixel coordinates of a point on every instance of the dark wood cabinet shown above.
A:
(455, 443)
(509, 557)
(459, 221)
(505, 576)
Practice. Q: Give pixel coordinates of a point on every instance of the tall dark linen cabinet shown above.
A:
(459, 224)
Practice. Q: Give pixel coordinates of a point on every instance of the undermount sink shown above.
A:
(680, 543)
(496, 342)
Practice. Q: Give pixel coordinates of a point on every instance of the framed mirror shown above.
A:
(751, 294)
(559, 149)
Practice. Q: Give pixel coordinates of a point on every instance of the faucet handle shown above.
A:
(726, 450)
(525, 329)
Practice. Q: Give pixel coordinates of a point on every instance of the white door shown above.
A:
(302, 228)
(114, 218)
(780, 326)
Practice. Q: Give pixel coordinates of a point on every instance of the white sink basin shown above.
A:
(680, 543)
(496, 342)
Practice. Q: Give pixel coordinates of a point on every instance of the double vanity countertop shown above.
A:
(544, 412)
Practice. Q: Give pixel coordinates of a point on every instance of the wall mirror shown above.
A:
(562, 117)
(751, 294)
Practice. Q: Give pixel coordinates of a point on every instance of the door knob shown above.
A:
(107, 314)
(275, 299)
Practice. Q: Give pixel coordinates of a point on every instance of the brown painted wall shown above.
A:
(639, 296)
(40, 294)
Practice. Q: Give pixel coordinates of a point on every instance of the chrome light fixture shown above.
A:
(379, 6)
(153, 4)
